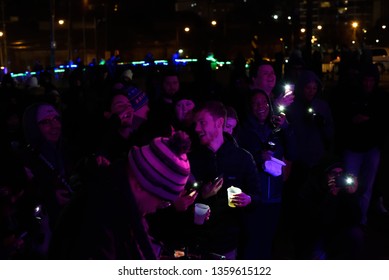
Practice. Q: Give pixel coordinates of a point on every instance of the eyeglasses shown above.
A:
(50, 121)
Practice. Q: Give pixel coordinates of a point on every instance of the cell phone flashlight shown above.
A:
(38, 212)
(344, 181)
(193, 188)
(289, 88)
(311, 111)
(349, 180)
(195, 185)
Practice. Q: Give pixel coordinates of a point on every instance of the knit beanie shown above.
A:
(45, 111)
(162, 167)
(138, 98)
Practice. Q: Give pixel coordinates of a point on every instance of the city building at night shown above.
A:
(54, 32)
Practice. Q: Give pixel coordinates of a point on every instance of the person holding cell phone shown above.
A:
(220, 163)
(110, 222)
(269, 138)
(263, 77)
(312, 120)
(329, 214)
(363, 135)
(172, 225)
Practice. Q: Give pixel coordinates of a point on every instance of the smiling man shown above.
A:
(263, 77)
(218, 155)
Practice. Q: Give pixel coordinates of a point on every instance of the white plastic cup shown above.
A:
(200, 213)
(231, 191)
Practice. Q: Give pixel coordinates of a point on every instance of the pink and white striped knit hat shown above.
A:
(159, 169)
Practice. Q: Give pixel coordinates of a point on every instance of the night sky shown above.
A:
(23, 17)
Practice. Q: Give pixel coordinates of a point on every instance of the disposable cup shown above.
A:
(200, 213)
(231, 191)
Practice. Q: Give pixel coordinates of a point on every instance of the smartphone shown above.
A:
(217, 178)
(22, 235)
(344, 181)
(193, 188)
(281, 109)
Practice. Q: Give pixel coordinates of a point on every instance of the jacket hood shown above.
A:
(305, 78)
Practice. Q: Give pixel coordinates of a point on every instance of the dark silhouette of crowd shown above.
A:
(108, 161)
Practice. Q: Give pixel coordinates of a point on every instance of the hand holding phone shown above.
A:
(193, 187)
(289, 89)
(217, 178)
(211, 188)
(348, 182)
(287, 98)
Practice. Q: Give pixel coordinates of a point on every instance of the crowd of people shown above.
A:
(108, 168)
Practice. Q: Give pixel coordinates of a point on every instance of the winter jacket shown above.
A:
(254, 137)
(221, 233)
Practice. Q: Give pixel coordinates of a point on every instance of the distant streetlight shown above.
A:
(354, 25)
(52, 35)
(383, 26)
(3, 45)
(302, 30)
(61, 22)
(1, 51)
(319, 27)
(179, 34)
(214, 22)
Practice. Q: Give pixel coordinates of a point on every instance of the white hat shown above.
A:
(127, 74)
(32, 82)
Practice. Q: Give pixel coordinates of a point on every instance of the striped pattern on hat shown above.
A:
(159, 170)
(138, 98)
